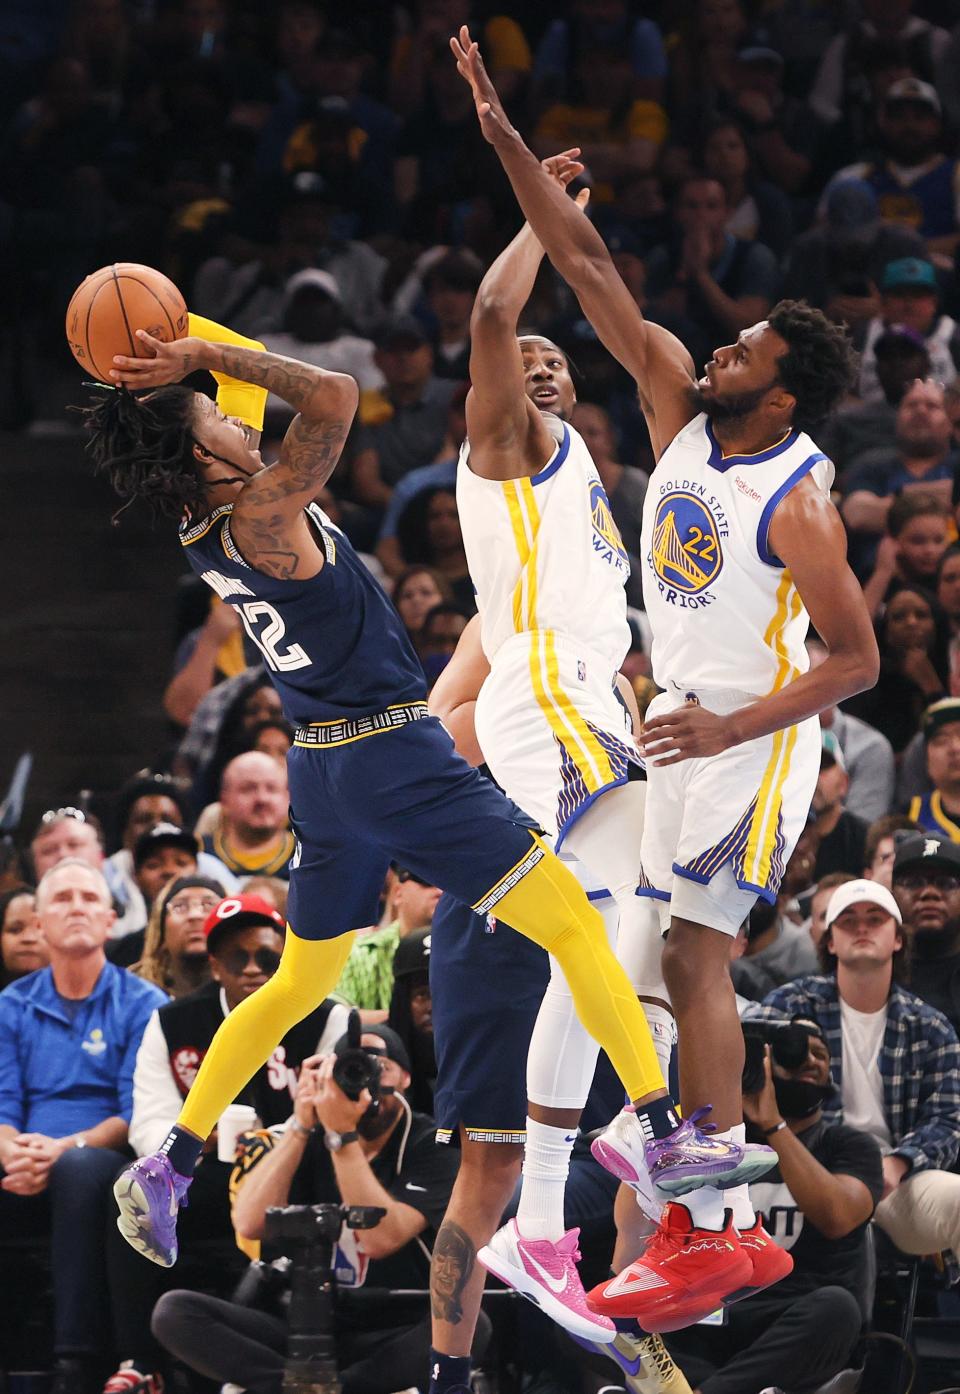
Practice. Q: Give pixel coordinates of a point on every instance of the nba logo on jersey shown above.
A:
(686, 554)
(581, 670)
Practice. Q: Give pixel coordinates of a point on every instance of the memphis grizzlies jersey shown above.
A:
(724, 611)
(544, 552)
(334, 645)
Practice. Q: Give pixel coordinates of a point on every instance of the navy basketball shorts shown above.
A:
(487, 983)
(396, 795)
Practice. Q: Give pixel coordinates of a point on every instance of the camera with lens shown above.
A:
(354, 1067)
(789, 1044)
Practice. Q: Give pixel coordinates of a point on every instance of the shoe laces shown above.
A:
(654, 1351)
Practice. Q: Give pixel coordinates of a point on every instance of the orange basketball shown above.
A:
(109, 307)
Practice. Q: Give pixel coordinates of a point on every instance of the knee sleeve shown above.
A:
(309, 970)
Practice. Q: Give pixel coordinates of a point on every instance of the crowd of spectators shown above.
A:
(315, 177)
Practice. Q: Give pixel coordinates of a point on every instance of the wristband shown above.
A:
(777, 1127)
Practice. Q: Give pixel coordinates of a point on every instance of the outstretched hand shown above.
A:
(166, 362)
(493, 119)
(564, 168)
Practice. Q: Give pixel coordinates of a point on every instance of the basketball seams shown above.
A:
(86, 332)
(153, 294)
(123, 311)
(98, 328)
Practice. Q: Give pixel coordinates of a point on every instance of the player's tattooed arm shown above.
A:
(454, 1261)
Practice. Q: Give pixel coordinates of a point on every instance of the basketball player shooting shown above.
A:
(372, 776)
(741, 549)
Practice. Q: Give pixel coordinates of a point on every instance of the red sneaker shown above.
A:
(770, 1262)
(683, 1274)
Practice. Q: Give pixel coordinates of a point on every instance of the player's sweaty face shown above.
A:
(547, 377)
(748, 366)
(226, 437)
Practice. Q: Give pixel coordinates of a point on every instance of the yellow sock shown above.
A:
(308, 970)
(234, 397)
(549, 906)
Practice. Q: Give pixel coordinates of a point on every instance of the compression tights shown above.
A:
(309, 970)
(550, 907)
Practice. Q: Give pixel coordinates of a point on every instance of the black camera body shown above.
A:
(308, 1235)
(354, 1068)
(789, 1044)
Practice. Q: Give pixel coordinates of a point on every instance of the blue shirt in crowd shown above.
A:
(66, 1066)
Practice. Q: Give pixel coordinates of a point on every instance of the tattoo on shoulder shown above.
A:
(454, 1259)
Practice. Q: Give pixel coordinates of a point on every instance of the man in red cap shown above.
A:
(244, 941)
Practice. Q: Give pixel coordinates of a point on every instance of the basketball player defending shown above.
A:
(549, 570)
(372, 775)
(741, 548)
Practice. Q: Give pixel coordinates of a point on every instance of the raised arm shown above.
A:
(505, 429)
(454, 695)
(661, 366)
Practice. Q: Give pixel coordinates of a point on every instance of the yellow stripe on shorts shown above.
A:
(763, 830)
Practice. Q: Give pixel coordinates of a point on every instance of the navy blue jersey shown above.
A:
(334, 645)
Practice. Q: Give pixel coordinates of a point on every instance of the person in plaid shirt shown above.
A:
(895, 1063)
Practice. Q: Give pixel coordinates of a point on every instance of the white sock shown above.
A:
(706, 1207)
(546, 1161)
(663, 1029)
(738, 1197)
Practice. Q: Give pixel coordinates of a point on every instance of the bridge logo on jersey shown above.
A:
(686, 543)
(607, 541)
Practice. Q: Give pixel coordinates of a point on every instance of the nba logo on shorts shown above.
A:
(491, 925)
(581, 670)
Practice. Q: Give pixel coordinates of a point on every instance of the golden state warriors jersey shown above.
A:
(724, 611)
(545, 554)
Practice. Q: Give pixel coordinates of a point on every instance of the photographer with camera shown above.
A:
(895, 1061)
(816, 1203)
(352, 1140)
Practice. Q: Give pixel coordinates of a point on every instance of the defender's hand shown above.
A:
(493, 119)
(690, 731)
(167, 362)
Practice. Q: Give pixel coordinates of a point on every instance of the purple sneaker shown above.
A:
(684, 1161)
(149, 1194)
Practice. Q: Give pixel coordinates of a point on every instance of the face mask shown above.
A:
(799, 1098)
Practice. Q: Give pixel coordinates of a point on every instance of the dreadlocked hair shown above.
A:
(144, 445)
(819, 365)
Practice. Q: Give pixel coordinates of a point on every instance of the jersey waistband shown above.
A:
(320, 735)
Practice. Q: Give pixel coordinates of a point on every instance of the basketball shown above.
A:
(108, 308)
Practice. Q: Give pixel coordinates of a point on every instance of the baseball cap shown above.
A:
(413, 954)
(939, 714)
(313, 276)
(908, 271)
(403, 331)
(923, 849)
(859, 893)
(831, 752)
(393, 1047)
(911, 89)
(163, 835)
(760, 53)
(240, 912)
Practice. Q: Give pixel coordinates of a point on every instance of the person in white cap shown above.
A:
(895, 1061)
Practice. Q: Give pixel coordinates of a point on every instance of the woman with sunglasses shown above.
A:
(243, 936)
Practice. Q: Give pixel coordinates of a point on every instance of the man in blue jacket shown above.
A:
(69, 1036)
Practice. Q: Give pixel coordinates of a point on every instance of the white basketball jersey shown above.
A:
(724, 611)
(544, 552)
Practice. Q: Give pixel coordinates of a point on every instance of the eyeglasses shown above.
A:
(183, 905)
(236, 960)
(54, 815)
(918, 880)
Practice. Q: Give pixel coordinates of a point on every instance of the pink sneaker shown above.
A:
(546, 1273)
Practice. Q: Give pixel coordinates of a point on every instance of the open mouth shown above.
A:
(545, 394)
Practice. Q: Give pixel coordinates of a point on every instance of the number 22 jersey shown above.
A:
(334, 645)
(723, 608)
